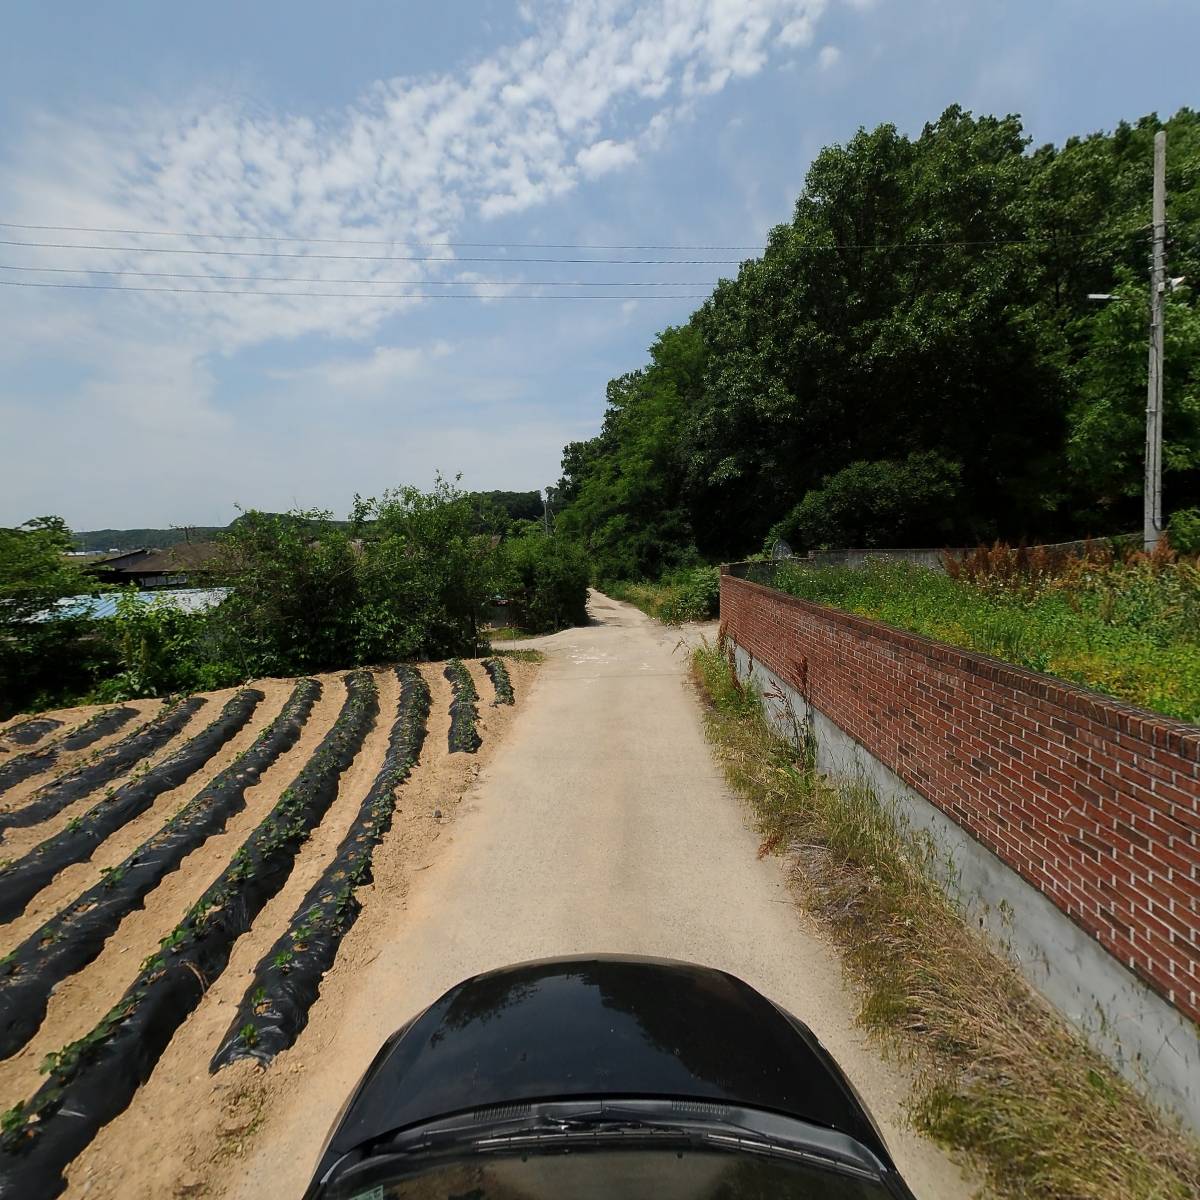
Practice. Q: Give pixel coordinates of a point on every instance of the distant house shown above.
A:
(187, 565)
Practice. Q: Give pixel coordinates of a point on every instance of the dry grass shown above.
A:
(1002, 1076)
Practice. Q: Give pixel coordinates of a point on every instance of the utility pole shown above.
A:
(1152, 500)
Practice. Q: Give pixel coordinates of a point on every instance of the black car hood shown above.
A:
(594, 1027)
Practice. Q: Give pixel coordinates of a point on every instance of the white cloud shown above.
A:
(385, 367)
(601, 157)
(828, 58)
(409, 161)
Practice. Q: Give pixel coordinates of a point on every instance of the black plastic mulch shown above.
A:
(74, 936)
(501, 680)
(101, 725)
(93, 1080)
(33, 730)
(464, 715)
(106, 766)
(287, 980)
(36, 762)
(76, 843)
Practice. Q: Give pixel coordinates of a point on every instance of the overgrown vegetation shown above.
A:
(913, 360)
(684, 594)
(409, 576)
(1003, 1077)
(42, 663)
(1129, 627)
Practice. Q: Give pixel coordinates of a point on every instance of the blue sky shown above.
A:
(678, 122)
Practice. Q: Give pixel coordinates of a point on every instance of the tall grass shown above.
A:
(1128, 628)
(686, 594)
(1002, 1077)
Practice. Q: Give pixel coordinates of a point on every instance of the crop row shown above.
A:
(92, 1080)
(32, 730)
(498, 673)
(75, 935)
(77, 842)
(464, 715)
(105, 767)
(287, 980)
(37, 762)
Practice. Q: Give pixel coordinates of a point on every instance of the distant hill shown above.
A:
(515, 506)
(100, 540)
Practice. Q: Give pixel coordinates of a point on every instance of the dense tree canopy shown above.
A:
(929, 297)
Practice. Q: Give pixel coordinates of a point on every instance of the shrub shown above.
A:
(547, 580)
(42, 662)
(1128, 628)
(406, 577)
(685, 594)
(159, 649)
(1184, 531)
(874, 504)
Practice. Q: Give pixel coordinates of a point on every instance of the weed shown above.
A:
(529, 656)
(687, 594)
(1006, 1079)
(1128, 628)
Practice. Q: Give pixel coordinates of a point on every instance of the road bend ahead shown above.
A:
(601, 824)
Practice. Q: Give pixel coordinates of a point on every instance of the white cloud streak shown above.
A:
(411, 160)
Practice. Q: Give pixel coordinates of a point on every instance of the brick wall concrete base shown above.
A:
(1149, 1041)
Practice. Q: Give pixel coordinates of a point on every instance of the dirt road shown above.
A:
(601, 824)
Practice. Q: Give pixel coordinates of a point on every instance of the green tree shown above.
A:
(41, 660)
(295, 592)
(877, 504)
(546, 580)
(929, 296)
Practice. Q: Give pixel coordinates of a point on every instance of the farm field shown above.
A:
(188, 889)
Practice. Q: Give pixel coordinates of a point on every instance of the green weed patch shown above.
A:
(1128, 629)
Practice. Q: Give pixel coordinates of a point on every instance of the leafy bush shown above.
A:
(159, 649)
(1184, 531)
(870, 504)
(1128, 628)
(546, 578)
(42, 663)
(407, 577)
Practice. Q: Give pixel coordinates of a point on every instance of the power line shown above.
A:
(639, 262)
(633, 262)
(374, 282)
(272, 237)
(114, 287)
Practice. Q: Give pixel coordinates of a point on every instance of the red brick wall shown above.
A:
(1095, 803)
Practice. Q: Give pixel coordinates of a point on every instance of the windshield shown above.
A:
(658, 1173)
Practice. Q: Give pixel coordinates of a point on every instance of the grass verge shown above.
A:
(686, 594)
(530, 656)
(1001, 1077)
(1129, 629)
(507, 633)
